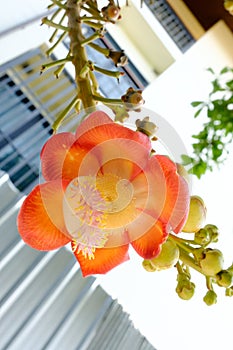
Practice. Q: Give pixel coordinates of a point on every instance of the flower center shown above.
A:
(94, 208)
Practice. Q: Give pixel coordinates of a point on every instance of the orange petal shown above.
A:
(54, 153)
(170, 196)
(105, 260)
(97, 134)
(177, 199)
(40, 219)
(166, 163)
(150, 189)
(181, 208)
(149, 245)
(96, 118)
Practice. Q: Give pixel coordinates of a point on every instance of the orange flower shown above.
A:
(102, 192)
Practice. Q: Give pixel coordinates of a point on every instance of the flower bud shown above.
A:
(229, 292)
(146, 126)
(212, 262)
(213, 232)
(210, 298)
(196, 216)
(111, 12)
(202, 237)
(185, 289)
(224, 278)
(133, 99)
(167, 258)
(229, 6)
(148, 266)
(118, 57)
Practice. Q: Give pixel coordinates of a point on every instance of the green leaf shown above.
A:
(186, 160)
(225, 70)
(199, 169)
(230, 84)
(196, 103)
(197, 113)
(210, 70)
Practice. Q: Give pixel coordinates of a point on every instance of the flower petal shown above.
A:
(177, 200)
(40, 220)
(105, 260)
(181, 208)
(94, 119)
(149, 245)
(53, 155)
(90, 134)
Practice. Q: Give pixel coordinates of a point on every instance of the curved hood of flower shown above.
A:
(103, 191)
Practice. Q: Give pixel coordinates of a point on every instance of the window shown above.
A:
(29, 103)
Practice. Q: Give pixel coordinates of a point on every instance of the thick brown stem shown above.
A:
(84, 88)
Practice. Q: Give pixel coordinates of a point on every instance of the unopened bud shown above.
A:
(111, 12)
(196, 216)
(229, 6)
(118, 57)
(224, 278)
(213, 232)
(202, 237)
(133, 99)
(229, 292)
(167, 258)
(210, 298)
(146, 126)
(148, 266)
(185, 289)
(212, 262)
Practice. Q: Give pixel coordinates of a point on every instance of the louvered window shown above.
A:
(171, 23)
(29, 103)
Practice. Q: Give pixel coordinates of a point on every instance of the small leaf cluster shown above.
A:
(211, 143)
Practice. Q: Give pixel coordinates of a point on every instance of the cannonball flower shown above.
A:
(103, 191)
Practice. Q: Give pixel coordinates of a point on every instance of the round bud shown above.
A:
(210, 298)
(167, 258)
(185, 290)
(229, 292)
(202, 237)
(212, 262)
(229, 6)
(224, 278)
(213, 232)
(111, 12)
(148, 266)
(196, 216)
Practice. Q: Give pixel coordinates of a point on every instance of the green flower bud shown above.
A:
(213, 232)
(202, 237)
(196, 216)
(210, 298)
(229, 292)
(168, 256)
(148, 266)
(229, 6)
(224, 278)
(185, 289)
(212, 262)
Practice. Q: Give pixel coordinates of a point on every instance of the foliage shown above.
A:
(211, 143)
